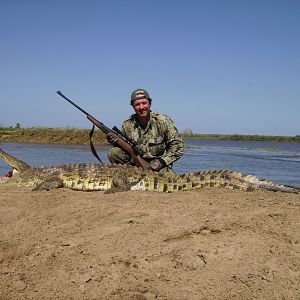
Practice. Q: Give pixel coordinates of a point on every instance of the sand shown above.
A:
(206, 244)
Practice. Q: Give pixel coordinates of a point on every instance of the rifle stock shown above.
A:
(122, 143)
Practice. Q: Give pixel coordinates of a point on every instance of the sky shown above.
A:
(213, 66)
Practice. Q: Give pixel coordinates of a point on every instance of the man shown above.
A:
(158, 140)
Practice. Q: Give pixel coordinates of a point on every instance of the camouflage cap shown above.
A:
(139, 94)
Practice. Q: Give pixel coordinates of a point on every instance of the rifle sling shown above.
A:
(92, 145)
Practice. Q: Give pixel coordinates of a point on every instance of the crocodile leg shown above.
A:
(50, 184)
(120, 184)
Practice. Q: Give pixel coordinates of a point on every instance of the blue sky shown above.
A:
(226, 66)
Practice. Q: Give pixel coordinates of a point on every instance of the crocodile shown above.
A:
(115, 177)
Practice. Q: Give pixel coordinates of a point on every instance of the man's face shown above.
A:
(141, 107)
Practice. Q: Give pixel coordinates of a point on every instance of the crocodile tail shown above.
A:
(208, 178)
(257, 183)
(12, 161)
(236, 180)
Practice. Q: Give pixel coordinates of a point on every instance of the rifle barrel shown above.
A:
(62, 95)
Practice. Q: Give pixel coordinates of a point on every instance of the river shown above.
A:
(279, 162)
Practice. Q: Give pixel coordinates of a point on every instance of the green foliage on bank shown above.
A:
(240, 137)
(81, 136)
(51, 136)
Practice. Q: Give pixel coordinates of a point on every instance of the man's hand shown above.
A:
(156, 165)
(112, 138)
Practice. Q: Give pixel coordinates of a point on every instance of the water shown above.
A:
(279, 162)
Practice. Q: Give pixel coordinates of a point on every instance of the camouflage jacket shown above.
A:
(160, 139)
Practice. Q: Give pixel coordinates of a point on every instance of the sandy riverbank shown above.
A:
(207, 244)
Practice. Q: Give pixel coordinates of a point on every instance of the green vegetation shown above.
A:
(240, 137)
(81, 136)
(51, 136)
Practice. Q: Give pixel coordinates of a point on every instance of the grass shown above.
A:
(81, 136)
(240, 137)
(51, 136)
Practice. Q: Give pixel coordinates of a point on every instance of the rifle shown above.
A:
(123, 142)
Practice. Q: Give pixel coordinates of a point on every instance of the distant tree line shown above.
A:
(17, 126)
(187, 133)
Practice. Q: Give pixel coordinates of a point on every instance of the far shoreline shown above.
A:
(74, 136)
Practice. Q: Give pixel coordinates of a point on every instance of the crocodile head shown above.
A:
(15, 163)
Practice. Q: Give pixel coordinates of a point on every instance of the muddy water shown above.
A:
(279, 162)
